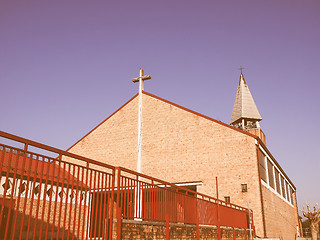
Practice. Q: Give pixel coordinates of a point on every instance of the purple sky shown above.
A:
(67, 65)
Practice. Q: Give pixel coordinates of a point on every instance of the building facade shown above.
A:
(190, 149)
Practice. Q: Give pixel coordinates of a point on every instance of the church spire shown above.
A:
(245, 114)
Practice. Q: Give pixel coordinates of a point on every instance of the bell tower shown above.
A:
(245, 114)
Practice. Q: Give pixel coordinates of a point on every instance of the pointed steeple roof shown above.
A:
(244, 105)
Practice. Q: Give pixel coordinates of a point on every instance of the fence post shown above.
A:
(118, 204)
(110, 228)
(249, 212)
(245, 234)
(166, 212)
(197, 218)
(218, 215)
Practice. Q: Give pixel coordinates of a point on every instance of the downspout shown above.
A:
(299, 224)
(261, 198)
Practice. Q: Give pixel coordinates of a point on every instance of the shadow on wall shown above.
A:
(8, 231)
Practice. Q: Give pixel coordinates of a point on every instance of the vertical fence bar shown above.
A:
(163, 203)
(99, 204)
(153, 197)
(71, 198)
(66, 205)
(125, 197)
(94, 205)
(39, 197)
(142, 187)
(110, 229)
(245, 233)
(61, 197)
(93, 215)
(88, 233)
(32, 194)
(249, 212)
(99, 209)
(122, 194)
(166, 212)
(131, 199)
(137, 198)
(86, 208)
(197, 218)
(50, 200)
(77, 179)
(105, 206)
(108, 207)
(56, 198)
(44, 198)
(81, 198)
(218, 214)
(118, 205)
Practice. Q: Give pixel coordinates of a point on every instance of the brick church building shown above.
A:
(182, 146)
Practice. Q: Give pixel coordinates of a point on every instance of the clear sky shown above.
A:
(67, 65)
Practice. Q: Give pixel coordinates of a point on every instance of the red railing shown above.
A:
(67, 196)
(148, 198)
(62, 197)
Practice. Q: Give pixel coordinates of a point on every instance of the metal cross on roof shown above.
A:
(241, 68)
(140, 79)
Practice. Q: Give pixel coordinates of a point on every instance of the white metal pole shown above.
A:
(138, 191)
(140, 121)
(250, 222)
(138, 188)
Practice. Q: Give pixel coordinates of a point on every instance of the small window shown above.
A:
(244, 187)
(277, 174)
(270, 174)
(283, 187)
(227, 199)
(287, 190)
(263, 168)
(291, 195)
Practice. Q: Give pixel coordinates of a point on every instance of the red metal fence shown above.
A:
(66, 196)
(148, 198)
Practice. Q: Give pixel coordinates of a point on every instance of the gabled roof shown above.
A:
(198, 114)
(171, 103)
(244, 105)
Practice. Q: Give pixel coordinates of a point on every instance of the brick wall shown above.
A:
(180, 146)
(280, 216)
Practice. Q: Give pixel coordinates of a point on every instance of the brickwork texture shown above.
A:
(179, 145)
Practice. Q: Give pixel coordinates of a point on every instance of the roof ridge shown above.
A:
(103, 121)
(200, 115)
(174, 104)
